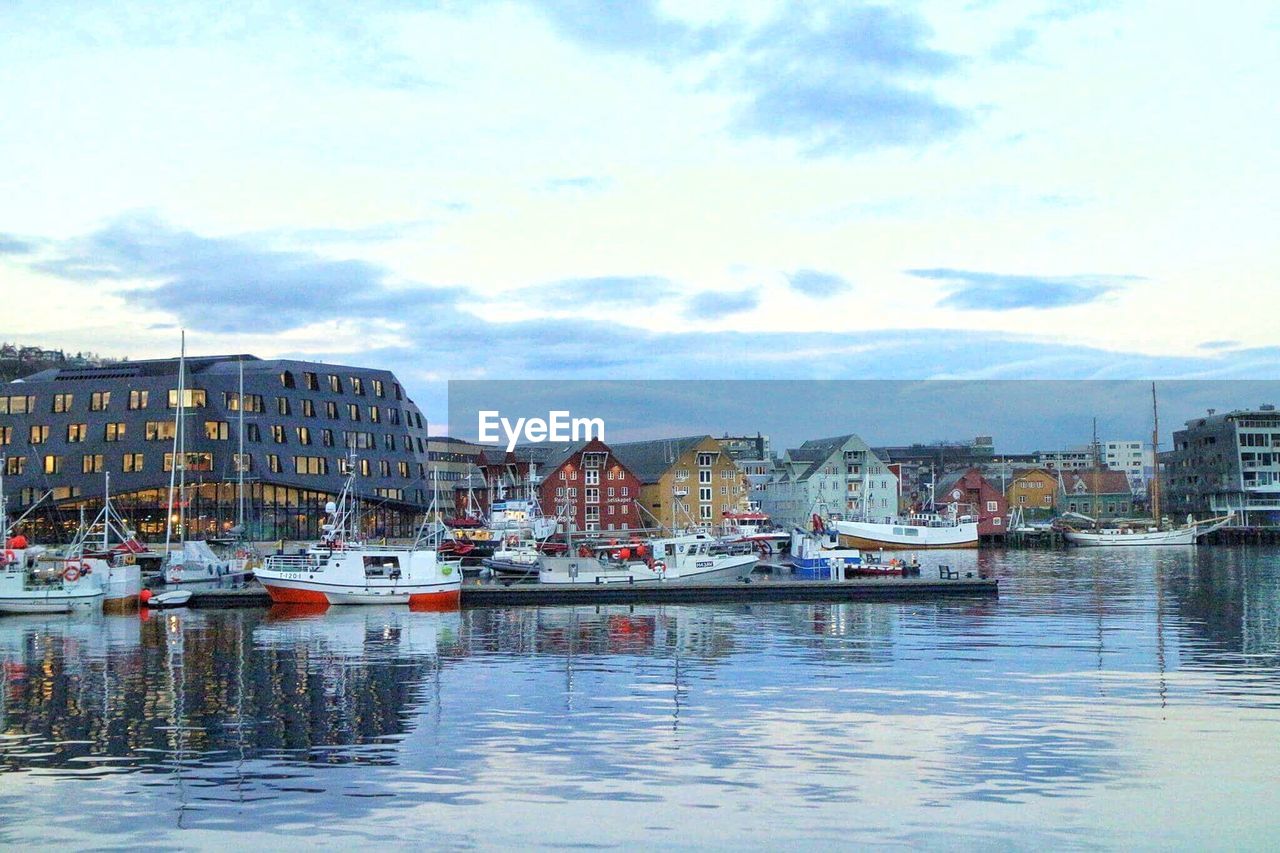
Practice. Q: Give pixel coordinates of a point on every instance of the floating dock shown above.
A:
(758, 590)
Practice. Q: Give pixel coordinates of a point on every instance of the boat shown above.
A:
(193, 561)
(169, 598)
(108, 550)
(916, 532)
(694, 557)
(1155, 531)
(818, 554)
(756, 528)
(518, 556)
(341, 569)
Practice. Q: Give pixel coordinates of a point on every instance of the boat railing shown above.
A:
(293, 563)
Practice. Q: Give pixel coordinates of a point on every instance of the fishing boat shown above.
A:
(697, 557)
(341, 569)
(1157, 530)
(919, 531)
(818, 554)
(756, 528)
(108, 550)
(30, 583)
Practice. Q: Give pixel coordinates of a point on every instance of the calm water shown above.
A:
(1105, 700)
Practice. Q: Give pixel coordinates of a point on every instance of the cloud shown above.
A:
(819, 285)
(235, 285)
(10, 245)
(986, 291)
(580, 182)
(713, 305)
(611, 290)
(836, 79)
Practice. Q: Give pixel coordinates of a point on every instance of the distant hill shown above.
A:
(19, 361)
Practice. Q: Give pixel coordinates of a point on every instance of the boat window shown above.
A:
(376, 565)
(911, 531)
(897, 531)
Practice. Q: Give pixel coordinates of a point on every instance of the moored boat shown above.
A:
(818, 554)
(696, 557)
(341, 569)
(916, 532)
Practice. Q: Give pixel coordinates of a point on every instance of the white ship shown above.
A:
(1124, 535)
(694, 557)
(914, 533)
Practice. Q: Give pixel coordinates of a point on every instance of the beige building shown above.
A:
(685, 482)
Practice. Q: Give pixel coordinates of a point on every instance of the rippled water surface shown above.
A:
(1106, 699)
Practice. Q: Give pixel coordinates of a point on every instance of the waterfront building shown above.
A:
(588, 487)
(970, 493)
(63, 429)
(754, 456)
(1071, 459)
(839, 476)
(685, 481)
(1224, 463)
(1034, 491)
(1096, 492)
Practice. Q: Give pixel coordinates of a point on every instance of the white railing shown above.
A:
(292, 563)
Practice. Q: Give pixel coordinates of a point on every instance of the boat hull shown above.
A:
(867, 536)
(584, 570)
(1088, 538)
(54, 601)
(442, 596)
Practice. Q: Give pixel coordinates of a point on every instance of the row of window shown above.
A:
(202, 461)
(593, 512)
(311, 382)
(592, 495)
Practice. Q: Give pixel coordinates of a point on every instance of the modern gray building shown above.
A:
(1226, 463)
(63, 430)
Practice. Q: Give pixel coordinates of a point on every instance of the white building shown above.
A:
(829, 476)
(1134, 458)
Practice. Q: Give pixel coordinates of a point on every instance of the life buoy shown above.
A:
(584, 551)
(512, 540)
(71, 574)
(660, 567)
(10, 557)
(129, 559)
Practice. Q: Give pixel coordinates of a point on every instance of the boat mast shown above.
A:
(1155, 457)
(173, 466)
(240, 452)
(181, 438)
(106, 508)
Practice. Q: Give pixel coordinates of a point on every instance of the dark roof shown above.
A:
(815, 451)
(649, 460)
(1097, 482)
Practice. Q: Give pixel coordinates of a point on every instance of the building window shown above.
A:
(38, 434)
(706, 459)
(313, 465)
(76, 433)
(15, 404)
(384, 468)
(335, 383)
(389, 441)
(192, 398)
(133, 463)
(6, 436)
(62, 402)
(308, 408)
(241, 462)
(304, 435)
(215, 430)
(286, 379)
(704, 475)
(99, 400)
(273, 463)
(91, 463)
(138, 399)
(591, 477)
(113, 432)
(364, 467)
(53, 464)
(396, 387)
(326, 438)
(15, 465)
(625, 491)
(377, 387)
(331, 410)
(193, 461)
(357, 386)
(277, 434)
(375, 416)
(592, 495)
(159, 431)
(252, 432)
(404, 470)
(282, 405)
(705, 512)
(993, 506)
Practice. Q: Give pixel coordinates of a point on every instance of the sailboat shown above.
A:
(1155, 532)
(193, 561)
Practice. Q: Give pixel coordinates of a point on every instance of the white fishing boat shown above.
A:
(30, 583)
(756, 528)
(916, 532)
(696, 557)
(108, 550)
(341, 569)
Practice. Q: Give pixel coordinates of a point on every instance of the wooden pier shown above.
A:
(758, 590)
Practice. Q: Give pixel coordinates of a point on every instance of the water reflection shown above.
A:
(1028, 719)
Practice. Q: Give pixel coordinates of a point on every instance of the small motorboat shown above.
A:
(171, 598)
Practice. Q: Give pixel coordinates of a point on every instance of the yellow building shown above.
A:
(1034, 490)
(685, 482)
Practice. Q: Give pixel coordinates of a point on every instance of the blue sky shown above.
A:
(648, 190)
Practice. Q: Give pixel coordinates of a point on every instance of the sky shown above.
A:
(648, 190)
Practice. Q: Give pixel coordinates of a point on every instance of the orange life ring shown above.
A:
(71, 574)
(660, 567)
(9, 556)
